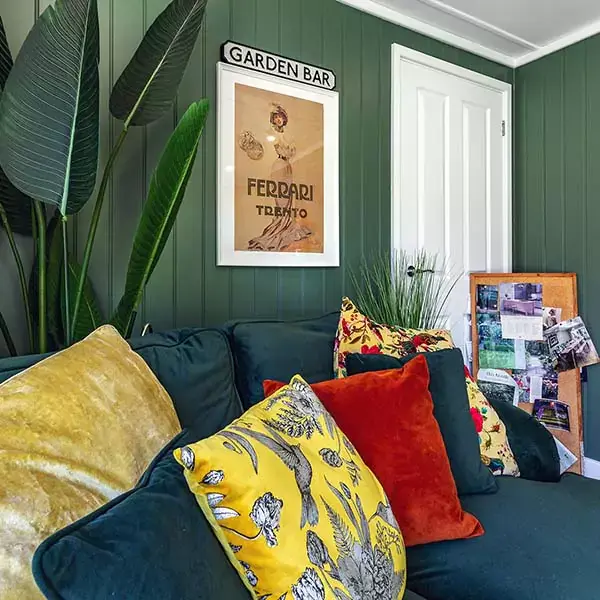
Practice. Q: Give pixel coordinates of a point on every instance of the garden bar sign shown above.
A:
(272, 64)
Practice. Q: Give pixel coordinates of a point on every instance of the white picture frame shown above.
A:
(227, 139)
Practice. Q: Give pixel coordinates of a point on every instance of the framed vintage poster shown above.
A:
(278, 172)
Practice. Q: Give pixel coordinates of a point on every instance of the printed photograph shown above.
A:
(279, 172)
(553, 414)
(487, 299)
(497, 391)
(523, 384)
(494, 351)
(571, 346)
(551, 316)
(550, 389)
(539, 360)
(521, 299)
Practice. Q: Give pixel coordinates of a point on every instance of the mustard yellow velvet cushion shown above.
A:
(358, 334)
(76, 430)
(298, 512)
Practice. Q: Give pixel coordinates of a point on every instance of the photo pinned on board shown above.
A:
(487, 299)
(521, 299)
(552, 413)
(570, 345)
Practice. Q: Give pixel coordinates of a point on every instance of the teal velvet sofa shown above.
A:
(542, 536)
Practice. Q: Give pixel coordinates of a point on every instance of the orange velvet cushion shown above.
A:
(388, 416)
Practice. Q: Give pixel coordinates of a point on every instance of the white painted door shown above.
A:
(451, 155)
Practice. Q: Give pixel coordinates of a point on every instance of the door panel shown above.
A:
(451, 163)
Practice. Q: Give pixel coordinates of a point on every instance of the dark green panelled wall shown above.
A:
(187, 288)
(557, 185)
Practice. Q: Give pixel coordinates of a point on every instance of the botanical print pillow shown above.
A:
(493, 439)
(299, 514)
(358, 334)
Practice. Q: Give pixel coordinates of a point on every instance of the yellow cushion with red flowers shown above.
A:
(493, 439)
(357, 334)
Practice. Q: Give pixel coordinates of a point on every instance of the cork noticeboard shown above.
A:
(559, 291)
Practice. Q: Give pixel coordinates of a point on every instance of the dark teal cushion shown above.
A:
(279, 350)
(152, 543)
(541, 542)
(532, 444)
(195, 366)
(451, 410)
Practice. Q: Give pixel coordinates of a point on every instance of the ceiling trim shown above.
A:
(567, 40)
(459, 14)
(394, 16)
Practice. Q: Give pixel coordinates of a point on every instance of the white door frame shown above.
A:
(402, 54)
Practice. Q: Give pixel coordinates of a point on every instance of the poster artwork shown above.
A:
(279, 172)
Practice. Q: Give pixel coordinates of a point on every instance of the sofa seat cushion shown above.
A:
(151, 542)
(542, 542)
(279, 350)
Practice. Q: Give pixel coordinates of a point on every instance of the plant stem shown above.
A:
(6, 333)
(68, 328)
(89, 245)
(21, 273)
(41, 260)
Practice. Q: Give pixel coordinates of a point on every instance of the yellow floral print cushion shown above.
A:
(299, 514)
(493, 439)
(358, 334)
(76, 430)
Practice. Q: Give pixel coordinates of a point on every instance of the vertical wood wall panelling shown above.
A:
(353, 152)
(217, 281)
(161, 292)
(558, 184)
(311, 49)
(291, 25)
(243, 30)
(192, 250)
(333, 58)
(591, 219)
(129, 182)
(188, 289)
(268, 37)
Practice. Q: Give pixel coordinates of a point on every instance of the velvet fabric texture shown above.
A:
(542, 542)
(388, 416)
(151, 543)
(76, 430)
(280, 350)
(450, 408)
(533, 445)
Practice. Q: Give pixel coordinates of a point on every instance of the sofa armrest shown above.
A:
(532, 444)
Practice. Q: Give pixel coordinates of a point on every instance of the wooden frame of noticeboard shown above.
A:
(560, 291)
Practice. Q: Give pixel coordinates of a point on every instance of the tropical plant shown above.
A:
(49, 124)
(406, 290)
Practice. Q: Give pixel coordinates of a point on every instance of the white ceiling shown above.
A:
(513, 32)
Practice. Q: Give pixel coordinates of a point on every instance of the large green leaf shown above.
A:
(49, 110)
(166, 193)
(90, 316)
(148, 85)
(16, 204)
(6, 61)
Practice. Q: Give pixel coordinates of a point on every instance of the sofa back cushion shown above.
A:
(152, 542)
(196, 367)
(279, 350)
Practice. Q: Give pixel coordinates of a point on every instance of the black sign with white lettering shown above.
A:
(279, 66)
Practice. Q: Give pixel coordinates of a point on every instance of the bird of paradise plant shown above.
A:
(49, 126)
